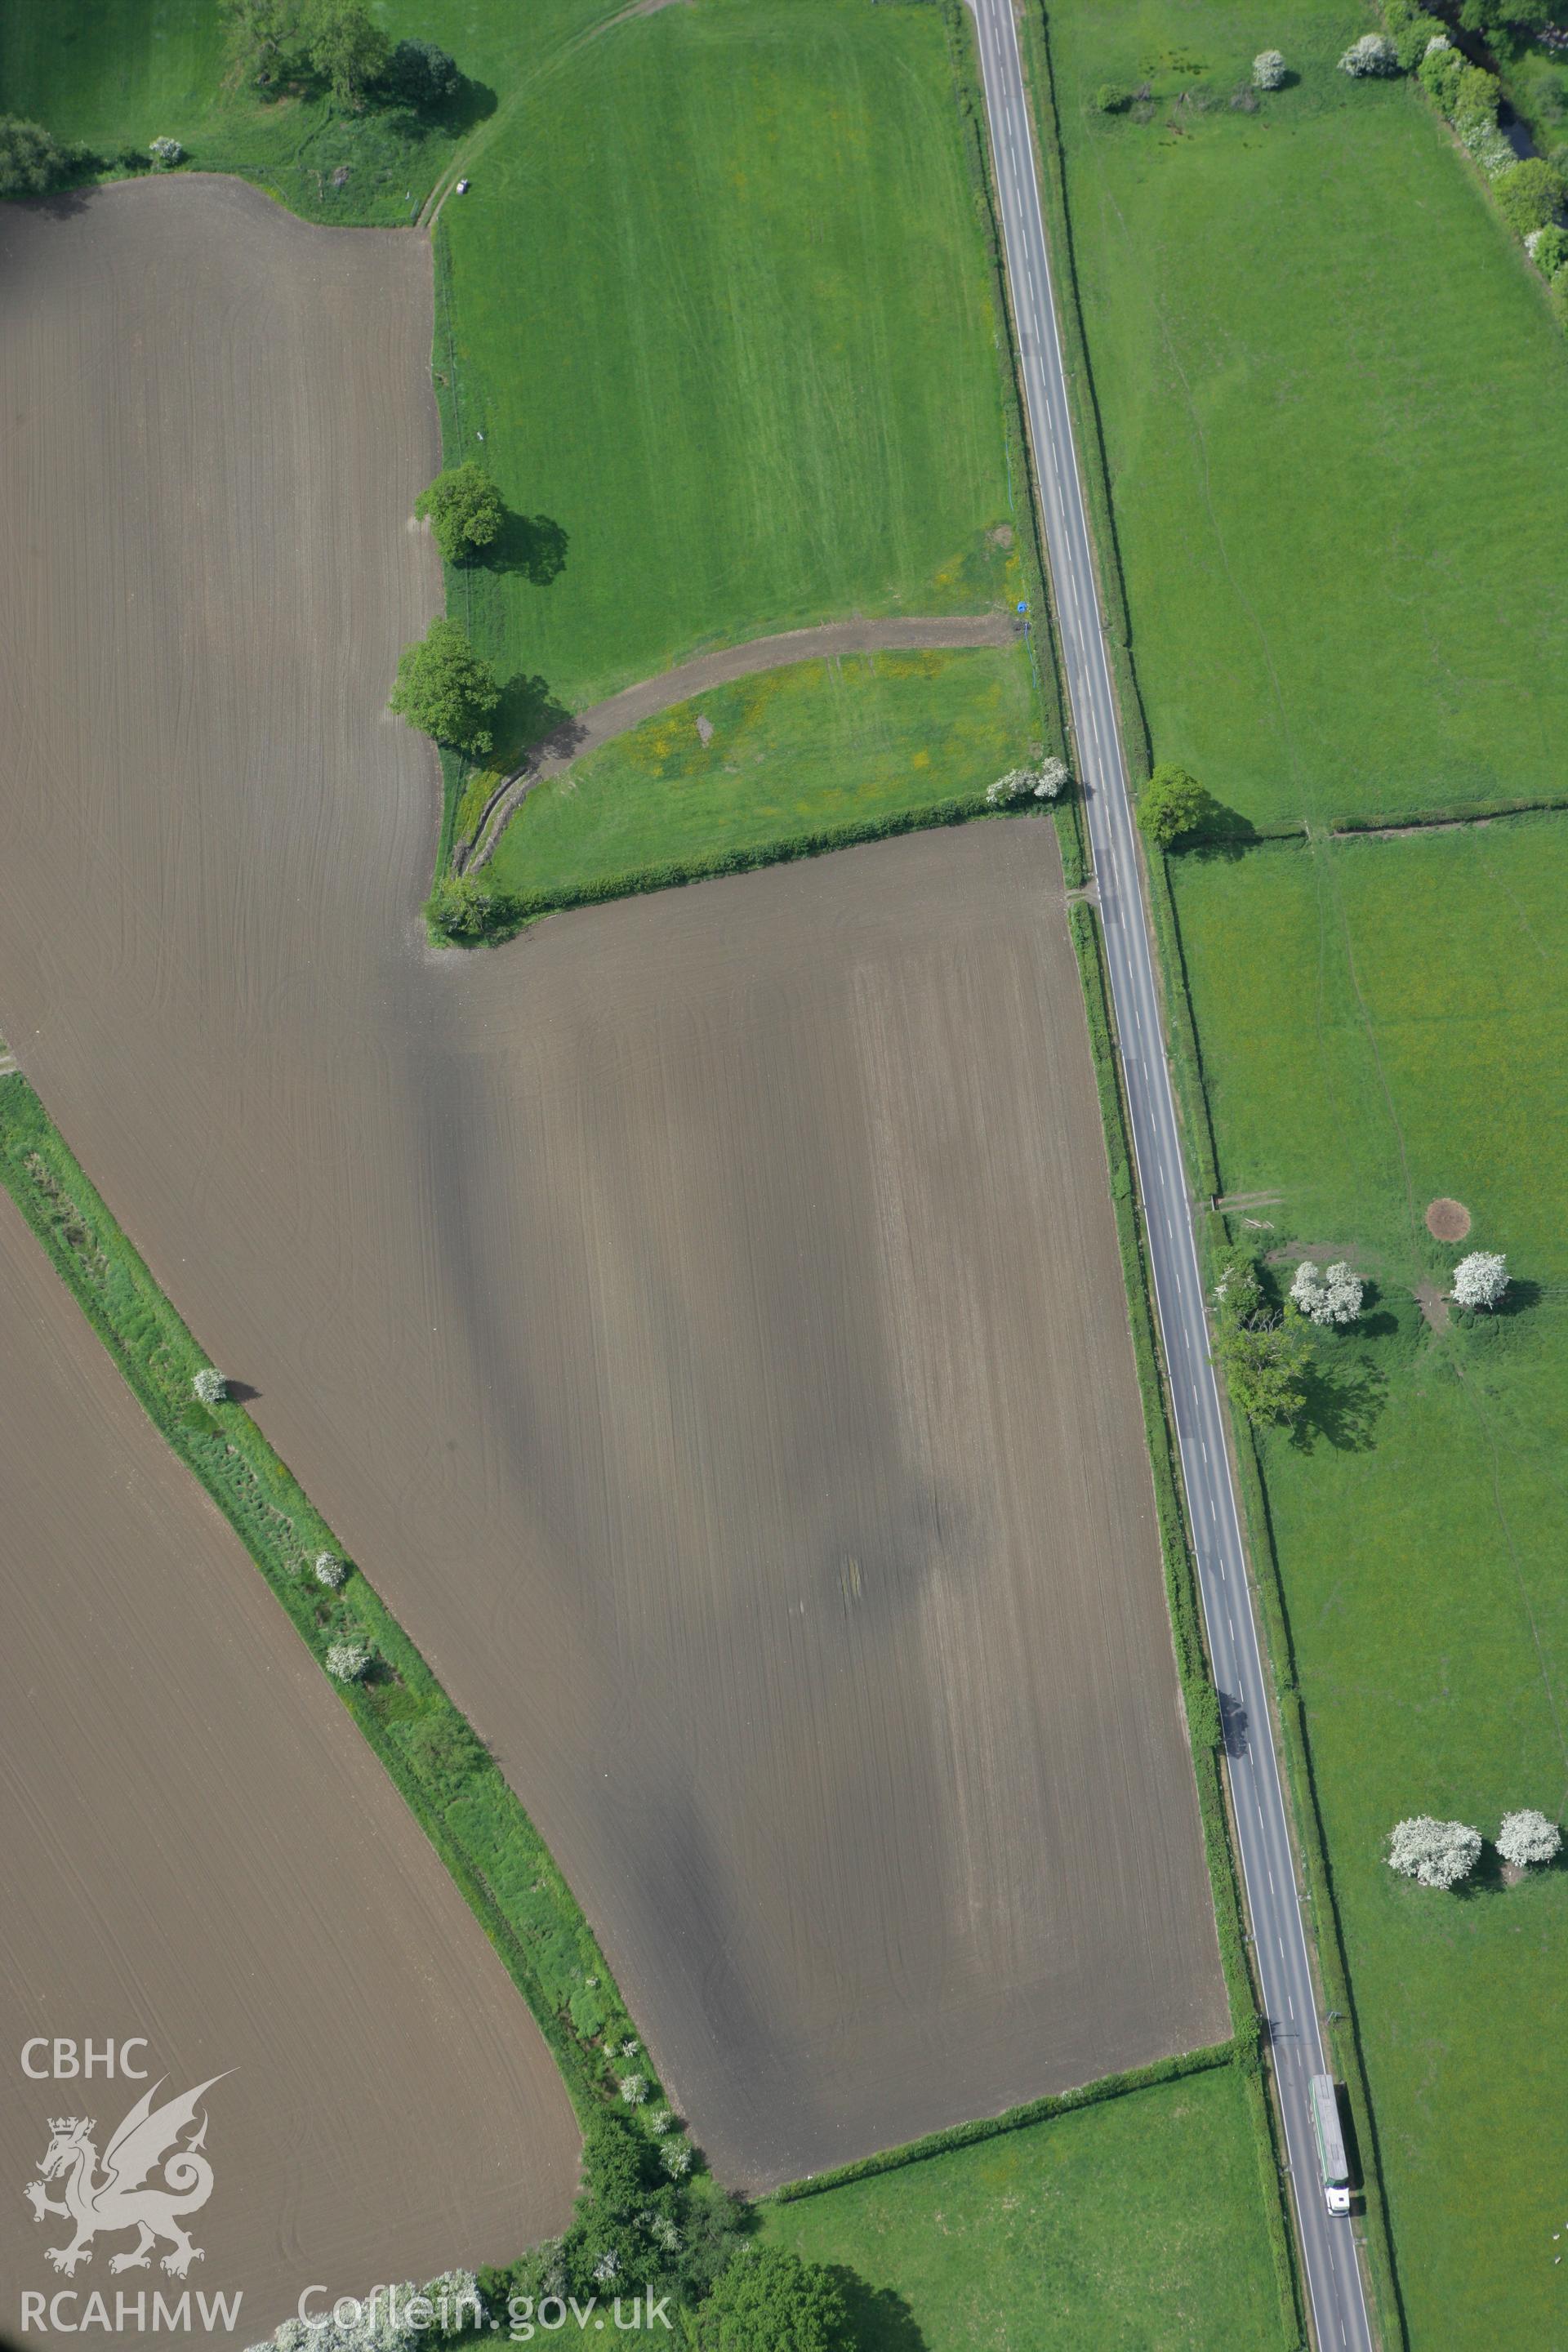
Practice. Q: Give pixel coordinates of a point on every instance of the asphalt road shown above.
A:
(1328, 2249)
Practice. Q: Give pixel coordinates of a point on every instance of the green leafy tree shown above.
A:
(262, 38)
(1112, 99)
(347, 48)
(1264, 1359)
(771, 2301)
(1476, 95)
(1170, 804)
(1440, 72)
(420, 74)
(460, 907)
(1262, 1353)
(1529, 196)
(31, 161)
(1492, 17)
(444, 689)
(1409, 26)
(465, 510)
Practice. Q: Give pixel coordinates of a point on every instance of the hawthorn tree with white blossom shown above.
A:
(1042, 784)
(1375, 53)
(1529, 1837)
(1327, 1294)
(1480, 1279)
(1433, 1852)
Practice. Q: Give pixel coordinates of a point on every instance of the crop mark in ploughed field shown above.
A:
(608, 1300)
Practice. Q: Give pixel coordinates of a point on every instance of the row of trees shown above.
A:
(1444, 1853)
(640, 2222)
(338, 44)
(1530, 193)
(443, 688)
(1262, 1349)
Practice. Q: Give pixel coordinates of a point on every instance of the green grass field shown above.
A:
(792, 751)
(719, 305)
(1138, 2223)
(1336, 413)
(1382, 1023)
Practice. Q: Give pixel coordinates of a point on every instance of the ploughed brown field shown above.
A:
(201, 1852)
(702, 1318)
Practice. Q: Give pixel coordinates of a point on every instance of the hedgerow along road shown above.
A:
(1327, 2245)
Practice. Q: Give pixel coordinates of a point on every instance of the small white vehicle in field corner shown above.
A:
(1331, 2143)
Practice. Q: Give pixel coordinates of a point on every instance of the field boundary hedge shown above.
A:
(456, 1792)
(1011, 2119)
(448, 395)
(1459, 812)
(1200, 1697)
(511, 910)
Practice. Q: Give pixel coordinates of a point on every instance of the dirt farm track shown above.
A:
(703, 1319)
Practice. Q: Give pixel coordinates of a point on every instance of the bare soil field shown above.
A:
(201, 1850)
(701, 1319)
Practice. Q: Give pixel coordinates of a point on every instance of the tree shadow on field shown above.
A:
(471, 103)
(1345, 1402)
(534, 545)
(1486, 1877)
(880, 2319)
(1223, 832)
(528, 717)
(63, 204)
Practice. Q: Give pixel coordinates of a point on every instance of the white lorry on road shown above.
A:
(1330, 2142)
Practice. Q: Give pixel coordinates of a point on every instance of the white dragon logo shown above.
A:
(147, 2141)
